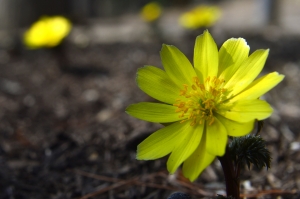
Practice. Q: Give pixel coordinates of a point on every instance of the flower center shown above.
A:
(199, 102)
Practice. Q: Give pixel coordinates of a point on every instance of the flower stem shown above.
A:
(231, 176)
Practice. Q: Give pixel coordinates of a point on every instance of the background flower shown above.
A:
(200, 16)
(47, 32)
(151, 11)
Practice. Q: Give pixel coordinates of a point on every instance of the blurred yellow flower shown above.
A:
(151, 11)
(217, 97)
(200, 16)
(47, 32)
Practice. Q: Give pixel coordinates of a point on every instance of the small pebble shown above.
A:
(295, 146)
(104, 115)
(11, 87)
(91, 95)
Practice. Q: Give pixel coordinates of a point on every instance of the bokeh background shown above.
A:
(63, 129)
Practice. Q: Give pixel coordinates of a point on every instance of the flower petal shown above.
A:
(247, 71)
(198, 161)
(162, 142)
(177, 66)
(248, 110)
(153, 112)
(232, 53)
(188, 145)
(216, 138)
(259, 87)
(234, 128)
(157, 84)
(206, 56)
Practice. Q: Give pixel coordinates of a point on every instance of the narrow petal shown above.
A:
(247, 72)
(248, 110)
(162, 142)
(206, 56)
(234, 128)
(153, 112)
(232, 53)
(198, 161)
(177, 66)
(157, 84)
(259, 87)
(216, 138)
(188, 145)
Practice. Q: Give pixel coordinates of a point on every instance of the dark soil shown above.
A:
(64, 132)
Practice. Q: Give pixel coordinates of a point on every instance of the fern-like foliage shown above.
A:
(250, 149)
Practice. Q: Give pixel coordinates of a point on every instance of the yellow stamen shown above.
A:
(200, 100)
(194, 87)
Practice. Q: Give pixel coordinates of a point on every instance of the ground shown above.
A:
(64, 132)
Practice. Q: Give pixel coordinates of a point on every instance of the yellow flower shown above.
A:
(205, 103)
(200, 16)
(151, 11)
(47, 32)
